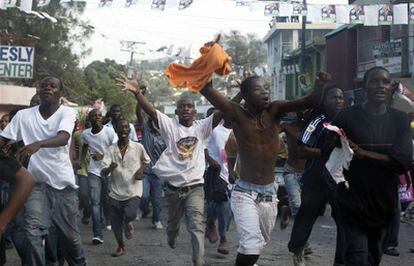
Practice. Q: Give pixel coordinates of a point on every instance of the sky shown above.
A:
(190, 27)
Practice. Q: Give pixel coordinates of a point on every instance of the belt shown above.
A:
(184, 189)
(259, 197)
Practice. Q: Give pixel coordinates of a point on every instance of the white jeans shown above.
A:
(254, 221)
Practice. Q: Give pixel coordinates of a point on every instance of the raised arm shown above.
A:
(132, 85)
(279, 108)
(218, 100)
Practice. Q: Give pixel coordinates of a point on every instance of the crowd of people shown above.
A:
(225, 162)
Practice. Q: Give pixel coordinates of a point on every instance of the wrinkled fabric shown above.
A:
(198, 74)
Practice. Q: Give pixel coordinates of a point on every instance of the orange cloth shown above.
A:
(195, 77)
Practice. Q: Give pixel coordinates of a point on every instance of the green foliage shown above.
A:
(53, 42)
(246, 51)
(100, 80)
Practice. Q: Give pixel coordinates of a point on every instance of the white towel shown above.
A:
(340, 159)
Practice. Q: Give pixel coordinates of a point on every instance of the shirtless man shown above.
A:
(256, 127)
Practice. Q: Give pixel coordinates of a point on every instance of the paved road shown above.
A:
(149, 247)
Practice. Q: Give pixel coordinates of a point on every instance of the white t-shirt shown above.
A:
(215, 147)
(183, 161)
(132, 134)
(98, 143)
(48, 165)
(122, 184)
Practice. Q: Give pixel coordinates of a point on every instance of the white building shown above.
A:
(282, 38)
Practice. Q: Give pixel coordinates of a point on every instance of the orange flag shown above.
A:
(198, 74)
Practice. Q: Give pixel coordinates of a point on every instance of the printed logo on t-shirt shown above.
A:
(186, 148)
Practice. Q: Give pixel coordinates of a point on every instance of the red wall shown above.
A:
(341, 57)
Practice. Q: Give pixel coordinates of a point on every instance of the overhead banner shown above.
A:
(357, 15)
(411, 13)
(16, 61)
(272, 9)
(385, 14)
(158, 4)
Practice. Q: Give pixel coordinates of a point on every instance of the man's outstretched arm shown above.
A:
(218, 100)
(132, 85)
(24, 183)
(279, 108)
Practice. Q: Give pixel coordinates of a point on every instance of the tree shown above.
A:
(246, 51)
(53, 42)
(100, 81)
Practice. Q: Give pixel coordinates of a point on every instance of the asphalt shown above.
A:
(149, 247)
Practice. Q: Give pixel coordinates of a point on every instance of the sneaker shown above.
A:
(298, 259)
(172, 243)
(129, 230)
(284, 217)
(109, 227)
(85, 220)
(392, 251)
(224, 247)
(119, 251)
(158, 225)
(97, 240)
(212, 234)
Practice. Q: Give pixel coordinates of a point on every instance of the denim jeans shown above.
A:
(190, 204)
(363, 245)
(313, 201)
(293, 189)
(84, 195)
(95, 188)
(48, 207)
(220, 211)
(122, 212)
(151, 191)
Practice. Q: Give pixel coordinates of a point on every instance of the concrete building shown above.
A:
(12, 96)
(283, 41)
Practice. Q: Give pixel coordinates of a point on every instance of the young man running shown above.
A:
(125, 161)
(256, 127)
(182, 165)
(46, 130)
(97, 139)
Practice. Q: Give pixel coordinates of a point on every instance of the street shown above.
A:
(149, 247)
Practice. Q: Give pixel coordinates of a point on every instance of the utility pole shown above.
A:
(130, 46)
(303, 43)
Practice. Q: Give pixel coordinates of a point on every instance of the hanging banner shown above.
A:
(299, 9)
(411, 13)
(158, 4)
(26, 5)
(16, 61)
(11, 3)
(104, 3)
(243, 2)
(385, 14)
(42, 3)
(184, 4)
(328, 13)
(272, 9)
(129, 3)
(357, 15)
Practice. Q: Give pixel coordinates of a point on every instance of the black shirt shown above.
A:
(371, 198)
(8, 167)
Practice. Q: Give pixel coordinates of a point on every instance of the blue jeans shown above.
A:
(151, 191)
(95, 188)
(219, 211)
(47, 207)
(293, 189)
(83, 184)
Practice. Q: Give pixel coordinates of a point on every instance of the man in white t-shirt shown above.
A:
(46, 131)
(182, 165)
(97, 139)
(115, 114)
(217, 181)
